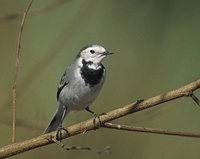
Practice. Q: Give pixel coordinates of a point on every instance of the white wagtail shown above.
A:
(80, 84)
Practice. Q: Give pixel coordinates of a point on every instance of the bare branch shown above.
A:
(16, 72)
(149, 130)
(88, 125)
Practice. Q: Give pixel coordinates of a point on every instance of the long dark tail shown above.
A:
(55, 121)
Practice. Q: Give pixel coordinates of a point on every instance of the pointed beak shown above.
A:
(107, 53)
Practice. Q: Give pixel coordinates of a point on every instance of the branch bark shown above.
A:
(81, 127)
(149, 130)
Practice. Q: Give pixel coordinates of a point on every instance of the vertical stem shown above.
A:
(14, 115)
(16, 73)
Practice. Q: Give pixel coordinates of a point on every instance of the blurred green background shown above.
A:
(157, 49)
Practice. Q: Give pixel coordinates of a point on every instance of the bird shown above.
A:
(80, 85)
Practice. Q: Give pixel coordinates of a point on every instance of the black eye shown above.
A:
(92, 51)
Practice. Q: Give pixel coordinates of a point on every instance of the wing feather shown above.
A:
(63, 82)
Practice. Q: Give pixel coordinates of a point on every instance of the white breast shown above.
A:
(78, 95)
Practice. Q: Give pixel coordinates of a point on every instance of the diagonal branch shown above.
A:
(149, 130)
(16, 72)
(84, 126)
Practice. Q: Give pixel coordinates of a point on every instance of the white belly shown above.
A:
(78, 96)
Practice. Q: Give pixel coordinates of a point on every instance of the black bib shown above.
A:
(91, 76)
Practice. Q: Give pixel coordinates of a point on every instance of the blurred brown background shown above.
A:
(157, 49)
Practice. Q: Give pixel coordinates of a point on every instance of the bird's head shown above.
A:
(93, 53)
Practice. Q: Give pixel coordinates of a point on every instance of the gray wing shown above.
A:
(63, 82)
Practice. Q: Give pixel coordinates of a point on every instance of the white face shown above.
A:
(94, 53)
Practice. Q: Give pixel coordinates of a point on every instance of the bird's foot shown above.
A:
(97, 116)
(139, 101)
(59, 132)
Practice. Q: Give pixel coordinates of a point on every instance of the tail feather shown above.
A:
(55, 121)
(53, 125)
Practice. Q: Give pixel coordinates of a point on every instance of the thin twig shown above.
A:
(149, 130)
(78, 147)
(16, 73)
(16, 148)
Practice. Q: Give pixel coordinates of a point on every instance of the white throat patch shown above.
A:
(94, 66)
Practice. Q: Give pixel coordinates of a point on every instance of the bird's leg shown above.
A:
(95, 116)
(60, 128)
